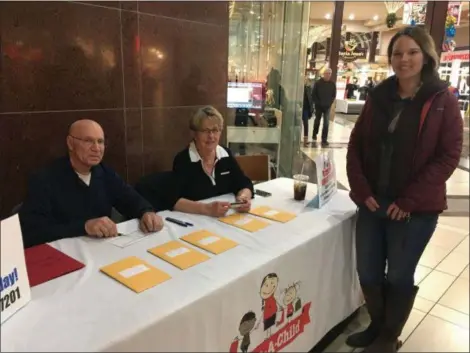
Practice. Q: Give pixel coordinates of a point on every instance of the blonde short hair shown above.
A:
(207, 112)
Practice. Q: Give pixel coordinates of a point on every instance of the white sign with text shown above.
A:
(14, 285)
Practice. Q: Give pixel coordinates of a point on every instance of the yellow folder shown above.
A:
(135, 273)
(209, 241)
(271, 213)
(179, 254)
(244, 222)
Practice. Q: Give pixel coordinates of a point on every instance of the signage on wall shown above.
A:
(350, 51)
(454, 9)
(463, 55)
(414, 12)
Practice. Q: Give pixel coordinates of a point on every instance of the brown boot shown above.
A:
(375, 304)
(306, 144)
(397, 311)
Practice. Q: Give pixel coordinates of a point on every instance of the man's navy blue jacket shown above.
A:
(59, 203)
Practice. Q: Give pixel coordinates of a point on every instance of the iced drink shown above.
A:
(300, 186)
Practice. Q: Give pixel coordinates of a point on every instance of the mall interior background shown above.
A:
(142, 68)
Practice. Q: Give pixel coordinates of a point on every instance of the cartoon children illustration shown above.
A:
(290, 299)
(269, 304)
(247, 325)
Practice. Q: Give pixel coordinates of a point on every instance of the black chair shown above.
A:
(157, 188)
(16, 209)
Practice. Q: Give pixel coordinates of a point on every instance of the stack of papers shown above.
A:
(275, 215)
(179, 254)
(244, 222)
(135, 274)
(209, 241)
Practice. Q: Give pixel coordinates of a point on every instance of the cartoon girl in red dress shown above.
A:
(269, 303)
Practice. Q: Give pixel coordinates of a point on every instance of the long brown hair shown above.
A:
(426, 43)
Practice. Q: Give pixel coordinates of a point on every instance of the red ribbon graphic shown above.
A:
(287, 334)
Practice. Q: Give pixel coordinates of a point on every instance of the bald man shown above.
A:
(74, 196)
(324, 94)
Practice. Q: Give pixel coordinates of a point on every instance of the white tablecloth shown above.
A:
(200, 308)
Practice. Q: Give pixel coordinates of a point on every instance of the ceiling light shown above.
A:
(328, 16)
(375, 18)
(351, 16)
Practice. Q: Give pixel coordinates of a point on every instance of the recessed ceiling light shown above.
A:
(376, 17)
(328, 16)
(351, 16)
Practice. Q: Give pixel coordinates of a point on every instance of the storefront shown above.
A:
(454, 68)
(267, 50)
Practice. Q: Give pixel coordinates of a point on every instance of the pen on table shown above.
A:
(176, 221)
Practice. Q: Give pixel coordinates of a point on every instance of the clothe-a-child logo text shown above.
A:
(281, 322)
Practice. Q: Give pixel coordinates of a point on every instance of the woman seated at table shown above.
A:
(205, 170)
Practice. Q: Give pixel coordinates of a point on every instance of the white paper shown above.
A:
(271, 213)
(208, 240)
(132, 271)
(177, 252)
(128, 239)
(243, 221)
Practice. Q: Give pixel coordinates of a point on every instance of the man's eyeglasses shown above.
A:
(89, 142)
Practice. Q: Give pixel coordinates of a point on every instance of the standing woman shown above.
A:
(404, 147)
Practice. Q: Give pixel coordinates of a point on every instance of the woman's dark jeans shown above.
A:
(399, 244)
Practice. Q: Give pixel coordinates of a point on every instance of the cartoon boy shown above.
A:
(247, 325)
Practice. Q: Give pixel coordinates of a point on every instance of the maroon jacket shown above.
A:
(435, 152)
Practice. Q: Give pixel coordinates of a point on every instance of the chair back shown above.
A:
(16, 209)
(256, 167)
(157, 189)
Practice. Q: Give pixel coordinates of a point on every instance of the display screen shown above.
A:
(245, 95)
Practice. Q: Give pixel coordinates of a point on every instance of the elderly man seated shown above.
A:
(75, 195)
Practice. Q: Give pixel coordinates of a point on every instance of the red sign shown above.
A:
(287, 334)
(463, 55)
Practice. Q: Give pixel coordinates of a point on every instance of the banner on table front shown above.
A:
(282, 322)
(327, 185)
(14, 284)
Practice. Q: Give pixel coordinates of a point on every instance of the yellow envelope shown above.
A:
(135, 273)
(244, 222)
(179, 254)
(209, 241)
(275, 215)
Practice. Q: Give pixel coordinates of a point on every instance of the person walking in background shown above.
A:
(404, 147)
(307, 110)
(324, 94)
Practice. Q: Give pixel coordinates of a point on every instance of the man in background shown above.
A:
(75, 195)
(324, 94)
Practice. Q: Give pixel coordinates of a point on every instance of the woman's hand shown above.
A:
(372, 204)
(396, 214)
(217, 208)
(244, 196)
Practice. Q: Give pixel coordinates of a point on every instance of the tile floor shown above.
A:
(440, 318)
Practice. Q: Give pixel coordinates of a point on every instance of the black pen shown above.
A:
(176, 221)
(189, 224)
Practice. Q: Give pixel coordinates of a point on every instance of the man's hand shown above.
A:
(101, 227)
(396, 214)
(151, 222)
(217, 208)
(372, 204)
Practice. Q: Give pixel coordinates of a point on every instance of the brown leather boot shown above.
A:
(397, 311)
(375, 304)
(306, 144)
